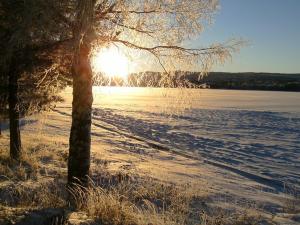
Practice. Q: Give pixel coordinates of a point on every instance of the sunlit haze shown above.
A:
(111, 61)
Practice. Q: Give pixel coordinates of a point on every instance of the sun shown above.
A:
(111, 62)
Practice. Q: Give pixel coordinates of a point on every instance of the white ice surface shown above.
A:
(254, 131)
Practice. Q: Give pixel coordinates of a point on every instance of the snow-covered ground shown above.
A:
(252, 131)
(242, 147)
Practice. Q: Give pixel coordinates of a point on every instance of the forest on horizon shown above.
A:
(213, 80)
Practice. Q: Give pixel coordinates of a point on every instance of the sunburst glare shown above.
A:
(111, 62)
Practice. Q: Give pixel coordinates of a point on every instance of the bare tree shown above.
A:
(159, 28)
(155, 27)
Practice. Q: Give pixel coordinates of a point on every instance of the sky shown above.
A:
(272, 28)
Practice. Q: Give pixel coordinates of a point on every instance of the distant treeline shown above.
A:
(214, 80)
(250, 81)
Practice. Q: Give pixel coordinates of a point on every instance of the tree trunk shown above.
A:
(80, 137)
(14, 115)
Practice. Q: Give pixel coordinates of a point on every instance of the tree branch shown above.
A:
(190, 51)
(133, 28)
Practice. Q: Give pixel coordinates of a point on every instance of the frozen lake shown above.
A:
(253, 131)
(146, 98)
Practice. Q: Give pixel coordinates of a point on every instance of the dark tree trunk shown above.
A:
(80, 136)
(14, 115)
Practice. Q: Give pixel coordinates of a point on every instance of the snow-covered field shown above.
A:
(252, 131)
(241, 147)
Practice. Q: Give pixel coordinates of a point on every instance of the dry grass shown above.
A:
(37, 182)
(133, 202)
(36, 161)
(124, 200)
(240, 218)
(34, 196)
(26, 168)
(26, 186)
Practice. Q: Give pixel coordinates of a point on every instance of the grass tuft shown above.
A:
(37, 183)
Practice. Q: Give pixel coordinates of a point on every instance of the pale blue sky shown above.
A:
(271, 26)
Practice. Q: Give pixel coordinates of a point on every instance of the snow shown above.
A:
(241, 146)
(253, 131)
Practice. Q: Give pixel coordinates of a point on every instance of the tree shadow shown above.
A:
(23, 122)
(238, 141)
